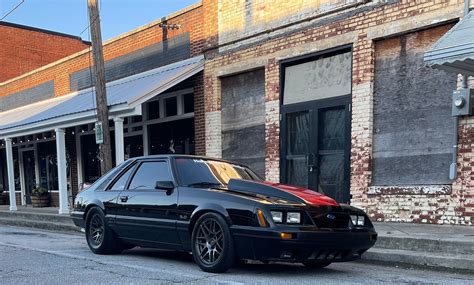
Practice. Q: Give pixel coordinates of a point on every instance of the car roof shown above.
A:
(182, 156)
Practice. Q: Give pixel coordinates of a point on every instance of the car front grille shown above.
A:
(331, 220)
(335, 255)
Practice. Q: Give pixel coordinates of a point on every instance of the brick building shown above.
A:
(52, 108)
(24, 48)
(335, 96)
(330, 95)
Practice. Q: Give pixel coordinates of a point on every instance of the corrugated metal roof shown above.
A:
(455, 50)
(129, 92)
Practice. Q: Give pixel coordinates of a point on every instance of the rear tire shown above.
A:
(100, 238)
(316, 265)
(212, 244)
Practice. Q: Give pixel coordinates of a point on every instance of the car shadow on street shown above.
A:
(250, 267)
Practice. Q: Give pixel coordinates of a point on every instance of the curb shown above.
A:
(420, 260)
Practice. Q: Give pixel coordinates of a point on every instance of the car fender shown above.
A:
(209, 207)
(94, 203)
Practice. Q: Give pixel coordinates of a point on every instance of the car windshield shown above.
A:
(203, 172)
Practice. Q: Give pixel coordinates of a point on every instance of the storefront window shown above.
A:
(188, 100)
(171, 105)
(48, 168)
(153, 110)
(16, 166)
(133, 146)
(90, 158)
(3, 170)
(172, 137)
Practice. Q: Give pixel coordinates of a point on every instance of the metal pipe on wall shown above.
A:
(453, 167)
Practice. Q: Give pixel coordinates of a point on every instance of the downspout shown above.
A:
(453, 168)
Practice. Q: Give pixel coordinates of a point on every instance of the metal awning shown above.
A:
(124, 98)
(454, 51)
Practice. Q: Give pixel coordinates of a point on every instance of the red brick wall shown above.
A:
(25, 49)
(190, 19)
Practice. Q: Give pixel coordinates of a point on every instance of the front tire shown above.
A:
(100, 238)
(212, 244)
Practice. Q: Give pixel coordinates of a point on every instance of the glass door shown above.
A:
(29, 173)
(315, 146)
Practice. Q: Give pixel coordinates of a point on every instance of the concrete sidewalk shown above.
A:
(444, 247)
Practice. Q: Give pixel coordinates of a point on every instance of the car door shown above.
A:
(147, 214)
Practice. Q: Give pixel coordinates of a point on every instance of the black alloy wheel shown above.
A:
(213, 248)
(100, 238)
(96, 231)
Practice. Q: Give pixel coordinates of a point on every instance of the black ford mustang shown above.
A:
(218, 210)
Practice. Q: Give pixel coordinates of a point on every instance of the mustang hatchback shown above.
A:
(218, 210)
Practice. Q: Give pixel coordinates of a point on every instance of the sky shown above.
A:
(70, 16)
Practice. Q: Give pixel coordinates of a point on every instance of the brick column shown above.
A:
(362, 120)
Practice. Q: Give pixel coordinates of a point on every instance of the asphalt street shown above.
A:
(39, 257)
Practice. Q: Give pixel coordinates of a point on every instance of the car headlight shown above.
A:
(357, 220)
(293, 218)
(277, 216)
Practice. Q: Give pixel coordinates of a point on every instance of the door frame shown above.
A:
(310, 106)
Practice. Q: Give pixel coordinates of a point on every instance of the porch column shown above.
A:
(11, 174)
(119, 141)
(62, 174)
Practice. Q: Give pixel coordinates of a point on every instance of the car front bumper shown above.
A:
(306, 245)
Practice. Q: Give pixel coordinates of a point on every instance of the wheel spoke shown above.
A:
(209, 241)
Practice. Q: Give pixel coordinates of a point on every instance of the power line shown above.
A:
(13, 9)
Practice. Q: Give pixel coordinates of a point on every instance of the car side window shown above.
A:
(120, 183)
(148, 173)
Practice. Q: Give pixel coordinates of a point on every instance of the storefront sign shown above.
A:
(99, 133)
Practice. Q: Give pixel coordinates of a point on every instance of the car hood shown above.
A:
(281, 191)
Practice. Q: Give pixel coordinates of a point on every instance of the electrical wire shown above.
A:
(13, 9)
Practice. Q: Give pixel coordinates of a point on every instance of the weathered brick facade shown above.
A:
(23, 49)
(260, 34)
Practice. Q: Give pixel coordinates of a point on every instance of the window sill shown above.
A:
(410, 190)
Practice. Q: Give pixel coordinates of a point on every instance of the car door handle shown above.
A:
(124, 198)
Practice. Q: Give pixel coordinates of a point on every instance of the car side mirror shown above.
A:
(165, 185)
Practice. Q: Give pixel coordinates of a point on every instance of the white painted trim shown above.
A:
(67, 121)
(169, 119)
(119, 141)
(11, 173)
(62, 174)
(183, 75)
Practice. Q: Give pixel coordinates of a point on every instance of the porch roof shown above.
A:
(455, 50)
(124, 98)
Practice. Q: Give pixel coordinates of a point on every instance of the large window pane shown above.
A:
(331, 176)
(297, 171)
(188, 103)
(172, 137)
(148, 173)
(322, 78)
(171, 105)
(331, 129)
(297, 135)
(48, 165)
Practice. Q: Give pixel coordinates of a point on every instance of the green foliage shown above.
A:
(39, 191)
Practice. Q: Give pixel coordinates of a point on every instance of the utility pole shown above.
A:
(102, 125)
